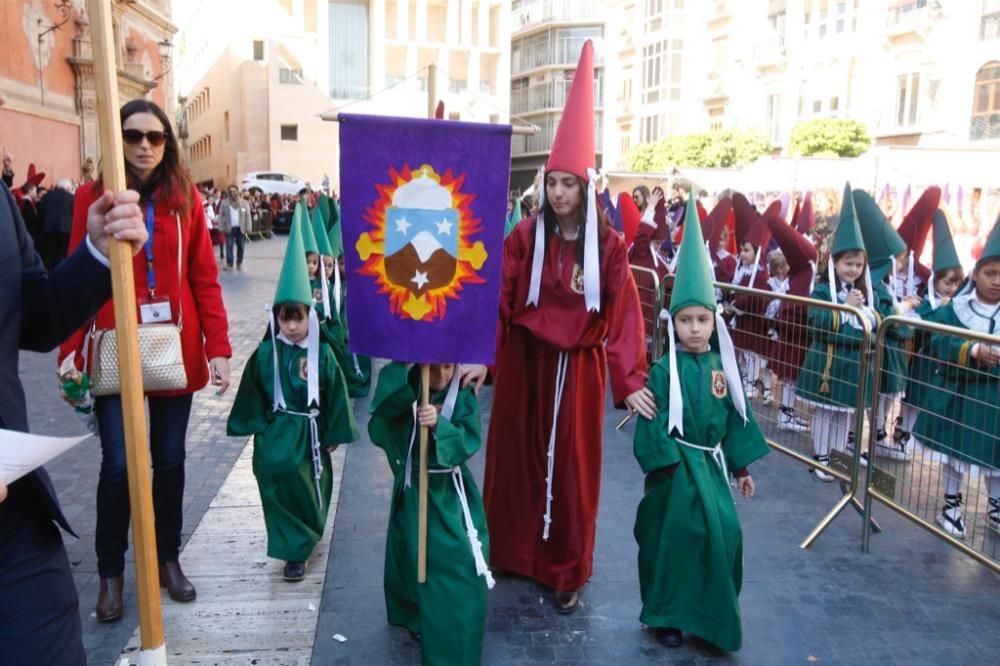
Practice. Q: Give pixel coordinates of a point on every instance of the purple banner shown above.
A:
(423, 205)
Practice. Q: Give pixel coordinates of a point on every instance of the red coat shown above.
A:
(528, 348)
(205, 332)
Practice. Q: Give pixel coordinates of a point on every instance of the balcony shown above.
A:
(535, 12)
(550, 95)
(908, 21)
(770, 53)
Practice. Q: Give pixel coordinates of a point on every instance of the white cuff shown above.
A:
(95, 253)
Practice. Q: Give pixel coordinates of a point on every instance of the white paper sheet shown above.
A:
(21, 452)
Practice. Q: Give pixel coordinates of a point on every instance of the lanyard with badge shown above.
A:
(153, 309)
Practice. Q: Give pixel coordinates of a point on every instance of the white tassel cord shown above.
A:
(538, 256)
(729, 366)
(312, 359)
(408, 469)
(325, 286)
(336, 284)
(278, 398)
(470, 529)
(675, 420)
(561, 367)
(717, 455)
(591, 261)
(756, 265)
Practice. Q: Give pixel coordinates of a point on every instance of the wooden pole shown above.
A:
(425, 395)
(425, 399)
(152, 646)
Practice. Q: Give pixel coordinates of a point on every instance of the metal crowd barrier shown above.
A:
(782, 343)
(956, 430)
(772, 342)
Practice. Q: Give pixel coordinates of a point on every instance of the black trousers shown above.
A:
(39, 610)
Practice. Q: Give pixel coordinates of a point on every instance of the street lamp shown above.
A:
(65, 9)
(166, 48)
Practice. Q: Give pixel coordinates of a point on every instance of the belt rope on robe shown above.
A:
(317, 462)
(447, 409)
(717, 455)
(561, 366)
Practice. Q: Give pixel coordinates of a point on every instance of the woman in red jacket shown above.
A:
(193, 297)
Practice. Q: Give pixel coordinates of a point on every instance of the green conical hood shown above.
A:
(293, 281)
(945, 254)
(336, 239)
(515, 217)
(992, 248)
(308, 237)
(323, 204)
(694, 276)
(882, 242)
(848, 236)
(319, 233)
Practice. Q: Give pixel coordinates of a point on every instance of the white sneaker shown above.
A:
(751, 391)
(788, 421)
(819, 473)
(768, 396)
(864, 456)
(950, 519)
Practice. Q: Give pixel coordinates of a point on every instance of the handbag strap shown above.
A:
(180, 271)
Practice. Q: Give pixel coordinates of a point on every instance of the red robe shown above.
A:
(528, 346)
(749, 330)
(787, 353)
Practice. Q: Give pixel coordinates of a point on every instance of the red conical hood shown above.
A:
(573, 148)
(745, 214)
(630, 217)
(797, 249)
(806, 218)
(918, 222)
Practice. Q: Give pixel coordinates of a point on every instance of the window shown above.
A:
(348, 49)
(286, 75)
(817, 106)
(654, 15)
(457, 86)
(716, 117)
(258, 50)
(773, 117)
(834, 103)
(907, 94)
(776, 25)
(989, 24)
(650, 129)
(661, 71)
(225, 122)
(289, 132)
(986, 103)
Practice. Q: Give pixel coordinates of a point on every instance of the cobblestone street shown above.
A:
(912, 600)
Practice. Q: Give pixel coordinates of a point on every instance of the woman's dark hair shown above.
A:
(290, 311)
(642, 189)
(955, 270)
(602, 223)
(170, 181)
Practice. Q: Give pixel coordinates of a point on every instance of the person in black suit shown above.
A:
(39, 616)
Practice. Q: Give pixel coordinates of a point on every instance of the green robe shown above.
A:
(449, 610)
(961, 415)
(282, 453)
(923, 366)
(829, 375)
(357, 367)
(894, 361)
(687, 527)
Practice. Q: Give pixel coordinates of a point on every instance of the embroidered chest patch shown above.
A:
(576, 282)
(304, 369)
(318, 295)
(719, 387)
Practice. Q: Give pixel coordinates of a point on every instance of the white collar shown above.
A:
(302, 344)
(973, 313)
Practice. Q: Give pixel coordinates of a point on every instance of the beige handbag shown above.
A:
(160, 351)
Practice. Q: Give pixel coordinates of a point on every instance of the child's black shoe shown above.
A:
(294, 571)
(669, 637)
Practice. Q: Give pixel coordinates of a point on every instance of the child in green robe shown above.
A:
(448, 612)
(961, 420)
(687, 527)
(829, 379)
(293, 400)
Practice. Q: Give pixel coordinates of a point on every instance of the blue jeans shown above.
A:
(168, 421)
(234, 236)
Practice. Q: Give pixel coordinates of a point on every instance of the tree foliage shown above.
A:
(721, 148)
(829, 137)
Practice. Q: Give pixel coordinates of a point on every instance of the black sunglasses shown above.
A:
(134, 137)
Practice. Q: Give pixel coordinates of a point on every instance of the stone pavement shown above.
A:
(912, 600)
(210, 454)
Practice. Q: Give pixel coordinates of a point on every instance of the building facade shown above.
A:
(547, 36)
(47, 74)
(916, 72)
(256, 83)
